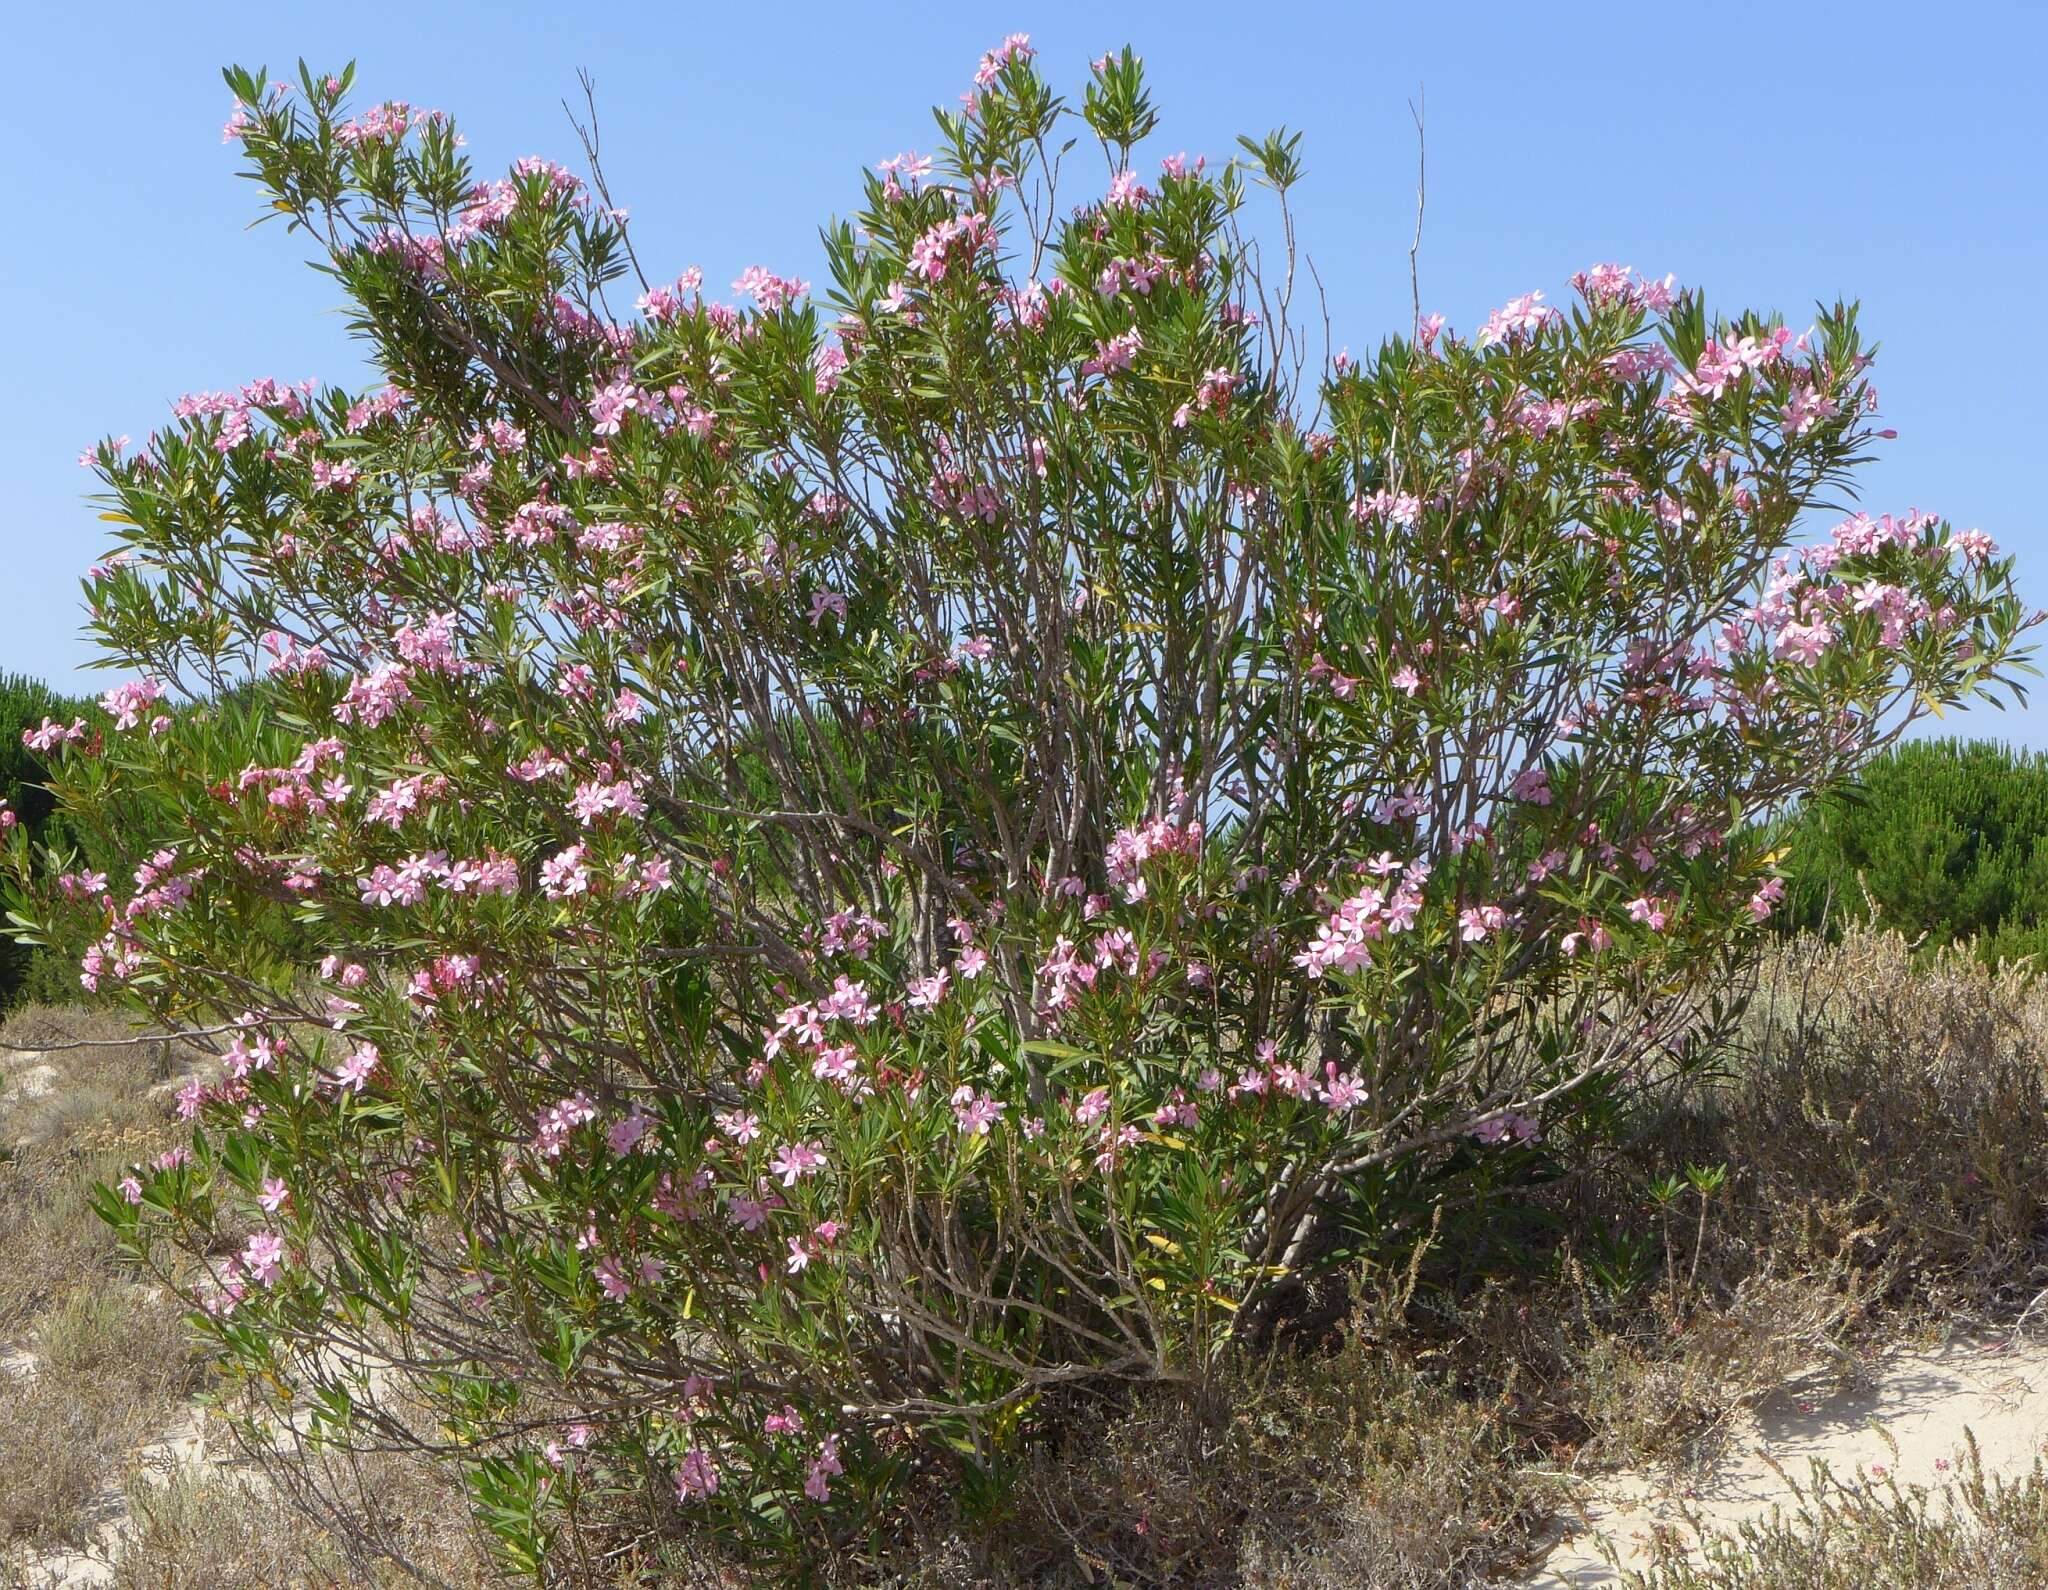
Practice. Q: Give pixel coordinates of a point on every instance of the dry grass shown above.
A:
(96, 1115)
(192, 1530)
(49, 1236)
(1860, 1534)
(112, 1362)
(231, 1531)
(103, 1090)
(1882, 1135)
(1890, 1122)
(112, 1368)
(1348, 1469)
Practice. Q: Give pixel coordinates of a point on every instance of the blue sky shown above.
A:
(1773, 154)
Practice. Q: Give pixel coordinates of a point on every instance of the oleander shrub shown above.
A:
(1945, 840)
(778, 887)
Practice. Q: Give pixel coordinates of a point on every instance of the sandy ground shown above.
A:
(1909, 1424)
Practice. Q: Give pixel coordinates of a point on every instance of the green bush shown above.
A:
(1945, 840)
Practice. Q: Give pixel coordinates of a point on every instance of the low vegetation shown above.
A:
(1854, 1533)
(97, 1362)
(1863, 1166)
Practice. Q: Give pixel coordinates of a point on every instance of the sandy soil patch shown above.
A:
(1908, 1424)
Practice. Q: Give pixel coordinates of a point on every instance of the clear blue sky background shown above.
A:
(1774, 154)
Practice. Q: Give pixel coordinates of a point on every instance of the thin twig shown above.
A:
(591, 139)
(1415, 109)
(121, 1043)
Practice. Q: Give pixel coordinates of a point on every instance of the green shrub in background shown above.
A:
(1944, 839)
(26, 971)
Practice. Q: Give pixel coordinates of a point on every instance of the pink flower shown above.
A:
(696, 1476)
(53, 734)
(1804, 642)
(1650, 911)
(1178, 1110)
(1126, 192)
(263, 1258)
(1516, 319)
(1533, 786)
(927, 993)
(553, 1125)
(935, 250)
(1114, 1141)
(273, 1195)
(1806, 405)
(334, 477)
(1131, 848)
(1397, 508)
(1510, 1124)
(375, 696)
(1976, 547)
(1588, 934)
(1015, 47)
(1610, 284)
(127, 703)
(910, 164)
(1342, 1092)
(794, 1161)
(1117, 353)
(626, 1134)
(769, 291)
(1476, 922)
(818, 1482)
(593, 800)
(834, 1063)
(355, 1071)
(564, 876)
(612, 1278)
(975, 1112)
